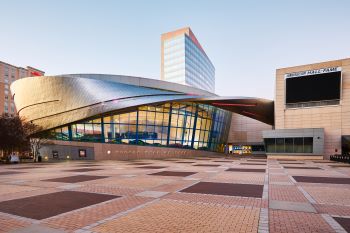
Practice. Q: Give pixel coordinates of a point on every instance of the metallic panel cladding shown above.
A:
(51, 101)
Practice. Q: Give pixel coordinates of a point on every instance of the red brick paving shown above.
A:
(218, 199)
(75, 179)
(244, 190)
(173, 173)
(339, 210)
(169, 209)
(78, 219)
(174, 216)
(83, 170)
(286, 193)
(245, 170)
(344, 222)
(8, 224)
(52, 204)
(4, 173)
(330, 180)
(297, 222)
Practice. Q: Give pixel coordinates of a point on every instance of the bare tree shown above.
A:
(36, 138)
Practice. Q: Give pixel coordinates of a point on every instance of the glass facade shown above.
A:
(181, 125)
(186, 63)
(289, 145)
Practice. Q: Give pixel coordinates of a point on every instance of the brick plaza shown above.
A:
(213, 194)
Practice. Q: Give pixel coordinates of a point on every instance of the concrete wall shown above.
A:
(334, 119)
(105, 151)
(67, 150)
(245, 130)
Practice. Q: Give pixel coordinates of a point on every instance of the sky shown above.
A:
(245, 40)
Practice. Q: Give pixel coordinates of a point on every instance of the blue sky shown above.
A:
(246, 40)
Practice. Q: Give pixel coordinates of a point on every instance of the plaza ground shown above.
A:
(176, 195)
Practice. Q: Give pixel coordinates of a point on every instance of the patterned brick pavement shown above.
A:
(175, 216)
(297, 222)
(155, 203)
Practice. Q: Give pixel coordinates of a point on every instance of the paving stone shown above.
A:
(129, 175)
(291, 163)
(289, 167)
(245, 170)
(293, 206)
(330, 180)
(152, 167)
(4, 173)
(83, 170)
(36, 228)
(244, 190)
(175, 216)
(173, 173)
(81, 219)
(76, 179)
(264, 164)
(334, 224)
(185, 162)
(323, 161)
(282, 183)
(222, 161)
(281, 221)
(52, 204)
(70, 186)
(337, 195)
(338, 165)
(154, 194)
(139, 163)
(88, 165)
(206, 165)
(159, 202)
(24, 168)
(344, 222)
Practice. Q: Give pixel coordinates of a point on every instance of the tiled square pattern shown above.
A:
(245, 170)
(83, 170)
(211, 194)
(175, 216)
(243, 190)
(48, 205)
(173, 173)
(75, 179)
(344, 222)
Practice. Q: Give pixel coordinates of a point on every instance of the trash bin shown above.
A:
(39, 158)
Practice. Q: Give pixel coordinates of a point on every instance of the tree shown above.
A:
(13, 136)
(35, 137)
(19, 135)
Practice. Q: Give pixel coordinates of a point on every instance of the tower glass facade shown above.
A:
(185, 62)
(181, 125)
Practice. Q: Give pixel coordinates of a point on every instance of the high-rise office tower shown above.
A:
(184, 61)
(8, 74)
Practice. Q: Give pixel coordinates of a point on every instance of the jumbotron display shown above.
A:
(319, 87)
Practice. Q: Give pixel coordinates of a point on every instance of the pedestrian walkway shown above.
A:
(212, 194)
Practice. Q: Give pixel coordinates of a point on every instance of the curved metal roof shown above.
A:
(51, 101)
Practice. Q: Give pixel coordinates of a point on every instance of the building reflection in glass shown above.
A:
(182, 125)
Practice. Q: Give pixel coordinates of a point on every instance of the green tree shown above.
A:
(13, 136)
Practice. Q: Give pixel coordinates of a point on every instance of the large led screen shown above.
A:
(313, 88)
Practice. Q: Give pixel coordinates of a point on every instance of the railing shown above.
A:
(340, 158)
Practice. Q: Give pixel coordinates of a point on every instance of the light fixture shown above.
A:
(108, 152)
(67, 156)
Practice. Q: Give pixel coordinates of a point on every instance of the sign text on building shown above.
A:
(312, 72)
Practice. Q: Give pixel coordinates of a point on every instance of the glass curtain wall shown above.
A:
(182, 125)
(289, 145)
